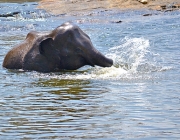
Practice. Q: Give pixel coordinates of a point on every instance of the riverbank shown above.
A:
(78, 6)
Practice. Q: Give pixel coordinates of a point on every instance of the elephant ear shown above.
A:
(45, 45)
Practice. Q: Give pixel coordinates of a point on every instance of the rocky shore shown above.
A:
(78, 6)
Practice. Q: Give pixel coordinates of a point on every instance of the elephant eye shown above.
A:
(79, 51)
(41, 50)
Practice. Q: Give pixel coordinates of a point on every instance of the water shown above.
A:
(137, 98)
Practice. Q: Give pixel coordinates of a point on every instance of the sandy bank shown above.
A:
(73, 6)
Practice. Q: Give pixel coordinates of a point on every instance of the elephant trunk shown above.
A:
(100, 60)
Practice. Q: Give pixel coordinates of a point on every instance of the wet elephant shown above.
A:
(65, 48)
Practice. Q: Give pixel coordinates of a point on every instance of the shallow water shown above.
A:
(137, 98)
(17, 1)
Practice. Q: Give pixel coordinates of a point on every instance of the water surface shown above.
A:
(17, 1)
(137, 98)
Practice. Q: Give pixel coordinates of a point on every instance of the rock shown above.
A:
(171, 7)
(143, 1)
(163, 7)
(169, 10)
(9, 14)
(178, 5)
(147, 15)
(119, 21)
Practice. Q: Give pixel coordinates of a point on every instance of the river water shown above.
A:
(137, 98)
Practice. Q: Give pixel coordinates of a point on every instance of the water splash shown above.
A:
(134, 55)
(133, 60)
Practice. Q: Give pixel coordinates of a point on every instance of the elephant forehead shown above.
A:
(67, 27)
(63, 28)
(34, 34)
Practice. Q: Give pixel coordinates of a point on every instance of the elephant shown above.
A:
(65, 48)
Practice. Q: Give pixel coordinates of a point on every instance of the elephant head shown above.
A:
(65, 48)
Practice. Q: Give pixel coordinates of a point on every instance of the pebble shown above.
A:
(143, 1)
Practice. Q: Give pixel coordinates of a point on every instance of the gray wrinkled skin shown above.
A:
(65, 48)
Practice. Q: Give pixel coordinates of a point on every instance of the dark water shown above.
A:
(137, 98)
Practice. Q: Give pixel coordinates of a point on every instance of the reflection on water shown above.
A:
(136, 98)
(68, 89)
(61, 106)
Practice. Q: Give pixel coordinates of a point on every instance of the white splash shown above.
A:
(132, 54)
(132, 60)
